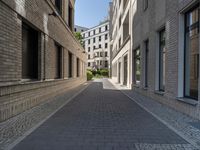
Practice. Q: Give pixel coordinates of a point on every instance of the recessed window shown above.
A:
(146, 43)
(106, 27)
(88, 49)
(70, 65)
(99, 45)
(89, 41)
(58, 4)
(99, 30)
(77, 67)
(137, 66)
(101, 54)
(94, 47)
(70, 16)
(58, 61)
(162, 60)
(106, 45)
(94, 40)
(89, 64)
(106, 54)
(106, 64)
(29, 52)
(145, 4)
(88, 56)
(99, 38)
(94, 32)
(191, 71)
(106, 36)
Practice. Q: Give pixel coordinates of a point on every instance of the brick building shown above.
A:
(165, 52)
(39, 55)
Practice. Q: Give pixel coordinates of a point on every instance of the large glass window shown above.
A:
(137, 66)
(192, 53)
(70, 65)
(58, 61)
(146, 61)
(29, 52)
(162, 60)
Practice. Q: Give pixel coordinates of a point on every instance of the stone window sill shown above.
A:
(159, 93)
(187, 101)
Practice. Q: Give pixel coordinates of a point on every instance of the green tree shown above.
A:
(79, 37)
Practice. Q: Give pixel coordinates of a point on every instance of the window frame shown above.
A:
(186, 28)
(161, 54)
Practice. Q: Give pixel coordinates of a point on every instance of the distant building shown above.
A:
(97, 45)
(80, 29)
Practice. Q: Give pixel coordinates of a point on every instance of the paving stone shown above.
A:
(103, 118)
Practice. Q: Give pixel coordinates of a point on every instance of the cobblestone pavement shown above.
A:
(103, 119)
(17, 127)
(179, 122)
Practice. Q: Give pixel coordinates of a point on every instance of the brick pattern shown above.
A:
(17, 96)
(146, 25)
(103, 122)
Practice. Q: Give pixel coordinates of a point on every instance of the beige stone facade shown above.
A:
(49, 25)
(158, 33)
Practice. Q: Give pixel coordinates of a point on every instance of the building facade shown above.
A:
(39, 55)
(80, 29)
(121, 41)
(165, 52)
(96, 43)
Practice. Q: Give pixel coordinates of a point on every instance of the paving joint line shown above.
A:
(158, 118)
(27, 133)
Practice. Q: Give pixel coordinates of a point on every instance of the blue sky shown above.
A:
(89, 13)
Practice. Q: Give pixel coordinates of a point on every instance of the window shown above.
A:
(146, 43)
(88, 56)
(191, 71)
(70, 16)
(89, 64)
(99, 38)
(106, 64)
(99, 30)
(101, 62)
(162, 60)
(89, 41)
(88, 49)
(106, 45)
(77, 67)
(145, 4)
(106, 36)
(30, 42)
(101, 54)
(106, 54)
(106, 27)
(58, 61)
(94, 47)
(88, 33)
(75, 29)
(137, 66)
(70, 63)
(58, 4)
(120, 43)
(99, 45)
(94, 32)
(94, 40)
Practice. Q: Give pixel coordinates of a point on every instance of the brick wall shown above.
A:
(17, 96)
(146, 25)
